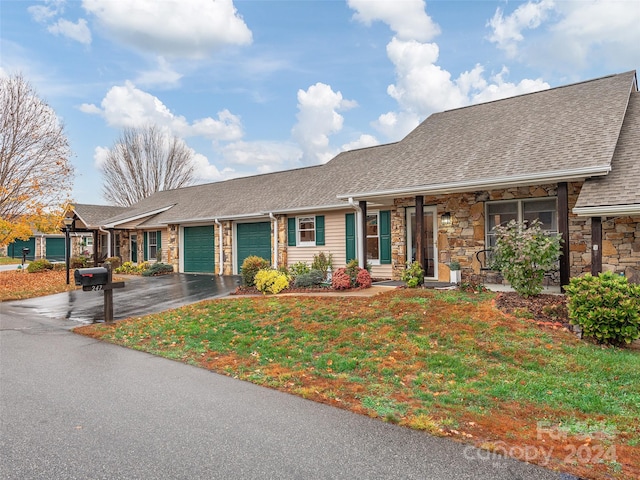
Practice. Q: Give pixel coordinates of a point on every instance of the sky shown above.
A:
(257, 86)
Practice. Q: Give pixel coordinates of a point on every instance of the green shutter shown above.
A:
(385, 236)
(320, 230)
(159, 239)
(146, 247)
(350, 232)
(291, 232)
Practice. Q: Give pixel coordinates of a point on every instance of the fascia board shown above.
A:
(607, 211)
(137, 217)
(489, 183)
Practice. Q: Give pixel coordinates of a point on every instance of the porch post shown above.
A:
(596, 245)
(563, 228)
(95, 247)
(419, 233)
(362, 261)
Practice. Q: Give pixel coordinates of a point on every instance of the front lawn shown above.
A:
(446, 362)
(19, 284)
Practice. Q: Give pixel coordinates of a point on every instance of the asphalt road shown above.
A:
(75, 408)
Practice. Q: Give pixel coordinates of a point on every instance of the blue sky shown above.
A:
(260, 86)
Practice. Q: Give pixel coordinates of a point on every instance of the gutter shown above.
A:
(499, 182)
(607, 211)
(275, 240)
(359, 240)
(221, 246)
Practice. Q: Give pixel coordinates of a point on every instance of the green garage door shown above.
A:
(14, 250)
(55, 249)
(199, 249)
(253, 239)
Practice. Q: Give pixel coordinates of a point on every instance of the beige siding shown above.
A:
(334, 225)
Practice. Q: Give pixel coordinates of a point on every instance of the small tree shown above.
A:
(524, 253)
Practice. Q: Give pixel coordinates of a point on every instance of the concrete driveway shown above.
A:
(73, 407)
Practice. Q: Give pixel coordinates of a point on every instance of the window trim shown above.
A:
(519, 212)
(375, 261)
(151, 245)
(299, 242)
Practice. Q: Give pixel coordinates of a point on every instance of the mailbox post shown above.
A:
(99, 279)
(25, 252)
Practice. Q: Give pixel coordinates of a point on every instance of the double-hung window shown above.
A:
(153, 245)
(305, 231)
(502, 212)
(373, 238)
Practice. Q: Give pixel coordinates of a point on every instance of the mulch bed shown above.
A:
(544, 308)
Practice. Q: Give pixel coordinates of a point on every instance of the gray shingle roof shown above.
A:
(620, 190)
(559, 130)
(94, 216)
(559, 133)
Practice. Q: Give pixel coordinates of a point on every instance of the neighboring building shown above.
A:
(569, 156)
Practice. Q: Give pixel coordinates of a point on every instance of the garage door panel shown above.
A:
(253, 239)
(199, 250)
(55, 249)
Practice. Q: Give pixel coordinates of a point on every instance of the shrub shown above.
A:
(299, 268)
(271, 281)
(341, 279)
(311, 279)
(350, 277)
(252, 265)
(413, 275)
(322, 262)
(157, 268)
(78, 262)
(114, 261)
(523, 254)
(606, 307)
(129, 268)
(39, 266)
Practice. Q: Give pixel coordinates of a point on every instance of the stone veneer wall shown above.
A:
(227, 247)
(466, 235)
(621, 246)
(173, 253)
(282, 240)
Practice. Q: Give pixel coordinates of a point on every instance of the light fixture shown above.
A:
(445, 219)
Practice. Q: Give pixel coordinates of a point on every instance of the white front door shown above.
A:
(429, 240)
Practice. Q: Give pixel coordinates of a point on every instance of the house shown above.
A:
(569, 156)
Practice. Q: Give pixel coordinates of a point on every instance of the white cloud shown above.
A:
(75, 31)
(507, 31)
(407, 18)
(128, 106)
(163, 76)
(47, 10)
(396, 125)
(205, 172)
(262, 156)
(172, 28)
(318, 118)
(361, 142)
(100, 155)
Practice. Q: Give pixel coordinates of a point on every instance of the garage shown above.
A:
(253, 239)
(54, 249)
(14, 249)
(199, 250)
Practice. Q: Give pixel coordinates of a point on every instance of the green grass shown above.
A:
(427, 360)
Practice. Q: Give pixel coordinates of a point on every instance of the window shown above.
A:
(306, 231)
(502, 212)
(373, 238)
(153, 244)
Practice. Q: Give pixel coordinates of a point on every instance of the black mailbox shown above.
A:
(26, 251)
(89, 277)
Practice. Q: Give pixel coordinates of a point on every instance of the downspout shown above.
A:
(359, 239)
(108, 240)
(221, 246)
(275, 239)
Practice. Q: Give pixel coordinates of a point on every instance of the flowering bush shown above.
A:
(413, 275)
(342, 278)
(271, 281)
(129, 268)
(523, 254)
(250, 267)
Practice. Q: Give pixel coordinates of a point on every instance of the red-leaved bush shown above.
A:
(340, 280)
(363, 280)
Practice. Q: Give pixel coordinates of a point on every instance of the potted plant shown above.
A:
(454, 272)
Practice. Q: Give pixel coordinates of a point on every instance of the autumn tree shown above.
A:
(36, 175)
(144, 161)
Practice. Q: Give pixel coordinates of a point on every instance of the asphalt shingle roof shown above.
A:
(95, 215)
(621, 187)
(556, 130)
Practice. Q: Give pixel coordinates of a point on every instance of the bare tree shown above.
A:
(36, 176)
(144, 161)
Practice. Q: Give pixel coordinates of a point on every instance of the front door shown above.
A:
(429, 240)
(134, 248)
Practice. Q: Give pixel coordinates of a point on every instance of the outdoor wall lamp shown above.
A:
(445, 219)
